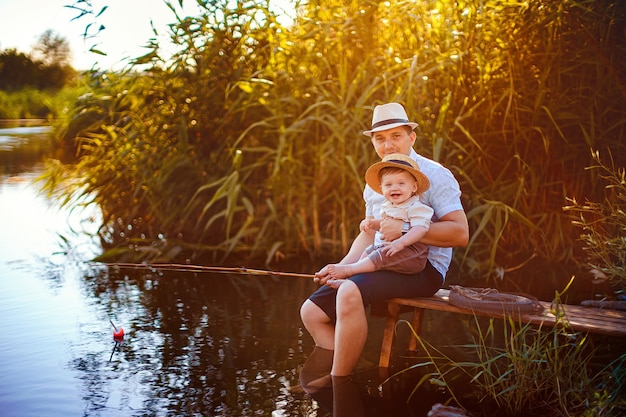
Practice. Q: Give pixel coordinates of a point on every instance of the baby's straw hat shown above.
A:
(397, 160)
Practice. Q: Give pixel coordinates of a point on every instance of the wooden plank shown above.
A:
(416, 324)
(581, 318)
(389, 335)
(595, 320)
(578, 318)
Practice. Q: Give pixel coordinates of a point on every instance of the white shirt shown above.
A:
(412, 210)
(444, 196)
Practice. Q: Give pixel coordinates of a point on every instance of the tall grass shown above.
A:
(513, 369)
(602, 225)
(246, 143)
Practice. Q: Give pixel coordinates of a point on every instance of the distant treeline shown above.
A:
(19, 71)
(47, 67)
(38, 84)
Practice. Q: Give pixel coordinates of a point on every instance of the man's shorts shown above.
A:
(376, 287)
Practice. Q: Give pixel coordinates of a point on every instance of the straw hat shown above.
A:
(388, 116)
(397, 160)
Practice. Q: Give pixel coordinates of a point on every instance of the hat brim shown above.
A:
(413, 125)
(372, 176)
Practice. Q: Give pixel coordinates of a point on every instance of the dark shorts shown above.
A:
(376, 287)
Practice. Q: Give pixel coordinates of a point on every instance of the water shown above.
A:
(195, 344)
(39, 307)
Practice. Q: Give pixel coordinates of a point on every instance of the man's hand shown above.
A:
(391, 229)
(324, 277)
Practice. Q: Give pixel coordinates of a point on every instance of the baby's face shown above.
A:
(398, 187)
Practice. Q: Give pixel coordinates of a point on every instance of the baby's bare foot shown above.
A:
(339, 271)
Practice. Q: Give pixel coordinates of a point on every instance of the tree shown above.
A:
(47, 67)
(17, 70)
(52, 49)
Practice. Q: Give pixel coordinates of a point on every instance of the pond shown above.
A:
(200, 344)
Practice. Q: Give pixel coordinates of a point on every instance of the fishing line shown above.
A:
(201, 268)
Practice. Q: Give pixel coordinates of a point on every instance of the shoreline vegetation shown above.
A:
(244, 146)
(265, 132)
(30, 104)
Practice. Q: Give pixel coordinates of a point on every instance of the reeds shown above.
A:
(247, 143)
(513, 369)
(602, 226)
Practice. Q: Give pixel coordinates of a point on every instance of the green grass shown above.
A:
(512, 369)
(37, 104)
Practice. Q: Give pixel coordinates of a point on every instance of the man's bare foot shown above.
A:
(340, 271)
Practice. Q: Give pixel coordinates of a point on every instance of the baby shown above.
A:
(398, 178)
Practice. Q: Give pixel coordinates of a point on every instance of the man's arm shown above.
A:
(450, 231)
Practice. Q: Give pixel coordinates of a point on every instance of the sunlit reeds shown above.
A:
(247, 143)
(603, 226)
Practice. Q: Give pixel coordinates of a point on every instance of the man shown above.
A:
(335, 315)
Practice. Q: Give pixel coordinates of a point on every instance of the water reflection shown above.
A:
(22, 147)
(194, 343)
(208, 344)
(369, 392)
(339, 395)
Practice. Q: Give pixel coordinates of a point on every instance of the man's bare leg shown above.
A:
(315, 374)
(347, 337)
(350, 331)
(318, 324)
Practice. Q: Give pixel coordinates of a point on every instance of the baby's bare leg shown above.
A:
(344, 271)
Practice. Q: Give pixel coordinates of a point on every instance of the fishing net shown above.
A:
(489, 300)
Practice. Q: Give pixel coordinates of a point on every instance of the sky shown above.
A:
(127, 27)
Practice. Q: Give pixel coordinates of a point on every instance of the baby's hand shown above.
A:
(365, 225)
(391, 248)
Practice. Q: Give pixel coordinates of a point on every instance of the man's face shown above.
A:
(396, 140)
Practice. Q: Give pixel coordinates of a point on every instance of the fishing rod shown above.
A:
(202, 268)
